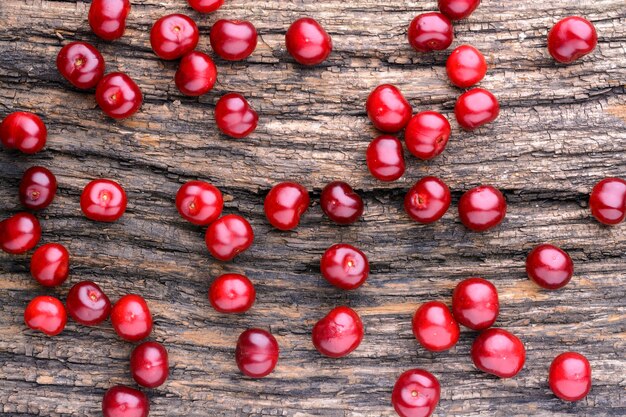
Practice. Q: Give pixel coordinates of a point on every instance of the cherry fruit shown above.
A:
(131, 318)
(103, 200)
(434, 326)
(385, 158)
(466, 66)
(549, 267)
(387, 108)
(149, 365)
(338, 333)
(499, 353)
(205, 6)
(199, 202)
(23, 131)
(570, 376)
(173, 36)
(228, 236)
(475, 108)
(257, 353)
(608, 201)
(430, 32)
(81, 64)
(123, 401)
(107, 18)
(415, 394)
(307, 42)
(46, 314)
(458, 9)
(19, 233)
(571, 39)
(475, 303)
(50, 264)
(482, 208)
(232, 293)
(87, 304)
(233, 40)
(37, 188)
(285, 204)
(428, 200)
(234, 116)
(427, 134)
(344, 266)
(196, 74)
(340, 203)
(118, 95)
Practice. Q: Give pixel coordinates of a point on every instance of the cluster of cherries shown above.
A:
(475, 301)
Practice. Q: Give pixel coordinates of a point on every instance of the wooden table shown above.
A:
(561, 129)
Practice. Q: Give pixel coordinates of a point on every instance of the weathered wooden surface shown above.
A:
(561, 129)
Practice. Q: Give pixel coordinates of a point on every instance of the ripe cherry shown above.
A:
(571, 39)
(228, 236)
(37, 188)
(499, 353)
(285, 204)
(118, 95)
(428, 200)
(340, 203)
(131, 318)
(81, 64)
(387, 108)
(257, 353)
(466, 66)
(307, 42)
(19, 233)
(205, 6)
(103, 200)
(232, 293)
(196, 74)
(427, 134)
(475, 108)
(570, 376)
(87, 304)
(482, 208)
(549, 267)
(234, 116)
(415, 394)
(233, 40)
(173, 36)
(608, 201)
(50, 264)
(199, 202)
(107, 18)
(434, 326)
(344, 266)
(458, 9)
(46, 314)
(149, 365)
(430, 32)
(123, 401)
(475, 303)
(385, 158)
(338, 333)
(23, 131)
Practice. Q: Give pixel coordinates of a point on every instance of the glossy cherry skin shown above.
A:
(37, 188)
(131, 318)
(46, 314)
(415, 394)
(205, 6)
(458, 9)
(23, 131)
(233, 40)
(570, 376)
(340, 203)
(427, 134)
(434, 326)
(387, 108)
(307, 42)
(234, 116)
(475, 108)
(549, 267)
(285, 204)
(123, 401)
(232, 293)
(466, 66)
(338, 333)
(482, 208)
(228, 236)
(173, 36)
(256, 353)
(499, 353)
(19, 233)
(571, 39)
(103, 200)
(50, 264)
(81, 64)
(428, 200)
(87, 304)
(385, 158)
(118, 95)
(345, 266)
(107, 18)
(149, 365)
(199, 202)
(608, 201)
(475, 303)
(430, 32)
(196, 74)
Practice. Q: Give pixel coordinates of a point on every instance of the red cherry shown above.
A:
(234, 116)
(570, 376)
(103, 200)
(482, 208)
(430, 32)
(149, 365)
(428, 200)
(19, 233)
(385, 158)
(285, 204)
(340, 203)
(131, 318)
(608, 201)
(549, 266)
(87, 304)
(388, 109)
(196, 74)
(415, 394)
(499, 353)
(199, 202)
(228, 236)
(257, 353)
(23, 131)
(205, 6)
(344, 266)
(123, 401)
(307, 42)
(338, 333)
(571, 39)
(475, 303)
(232, 293)
(427, 134)
(434, 326)
(118, 95)
(50, 264)
(475, 108)
(458, 9)
(81, 64)
(46, 314)
(173, 36)
(466, 66)
(37, 188)
(107, 18)
(233, 40)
